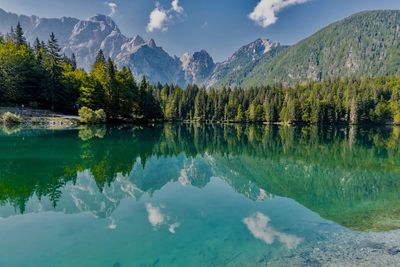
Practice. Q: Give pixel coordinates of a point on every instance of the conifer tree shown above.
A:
(73, 61)
(19, 36)
(53, 66)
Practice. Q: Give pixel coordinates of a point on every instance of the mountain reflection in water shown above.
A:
(346, 175)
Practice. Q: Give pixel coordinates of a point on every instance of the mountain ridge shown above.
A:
(364, 44)
(86, 37)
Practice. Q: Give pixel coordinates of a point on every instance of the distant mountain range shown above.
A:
(365, 44)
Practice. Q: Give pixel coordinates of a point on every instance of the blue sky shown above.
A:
(218, 26)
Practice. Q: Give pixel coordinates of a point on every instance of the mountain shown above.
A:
(236, 68)
(86, 37)
(38, 27)
(197, 66)
(365, 44)
(151, 61)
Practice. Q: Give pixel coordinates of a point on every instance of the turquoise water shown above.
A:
(185, 195)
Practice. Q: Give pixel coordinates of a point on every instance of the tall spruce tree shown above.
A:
(73, 61)
(53, 66)
(19, 35)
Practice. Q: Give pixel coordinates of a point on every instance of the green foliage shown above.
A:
(363, 45)
(88, 116)
(9, 118)
(100, 115)
(40, 77)
(336, 101)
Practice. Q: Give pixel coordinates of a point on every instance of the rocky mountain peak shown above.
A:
(137, 40)
(104, 19)
(151, 43)
(254, 50)
(266, 43)
(197, 66)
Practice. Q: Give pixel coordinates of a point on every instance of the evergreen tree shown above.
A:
(53, 65)
(37, 45)
(112, 90)
(19, 35)
(73, 61)
(239, 114)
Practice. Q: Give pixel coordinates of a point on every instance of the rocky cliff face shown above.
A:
(197, 67)
(231, 71)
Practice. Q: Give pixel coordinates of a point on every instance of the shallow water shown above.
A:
(185, 195)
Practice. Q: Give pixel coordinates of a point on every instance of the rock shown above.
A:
(393, 251)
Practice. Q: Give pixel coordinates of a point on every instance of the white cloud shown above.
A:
(258, 227)
(176, 7)
(113, 8)
(265, 13)
(160, 18)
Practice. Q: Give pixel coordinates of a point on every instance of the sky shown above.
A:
(218, 26)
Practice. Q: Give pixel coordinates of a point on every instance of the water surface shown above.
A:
(189, 195)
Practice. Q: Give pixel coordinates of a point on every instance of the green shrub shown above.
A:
(9, 118)
(88, 116)
(101, 116)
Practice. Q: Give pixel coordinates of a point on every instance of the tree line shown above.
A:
(40, 76)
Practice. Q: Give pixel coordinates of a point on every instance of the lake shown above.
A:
(200, 195)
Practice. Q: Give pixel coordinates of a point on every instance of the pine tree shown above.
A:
(37, 45)
(53, 65)
(19, 36)
(73, 61)
(100, 59)
(239, 114)
(112, 89)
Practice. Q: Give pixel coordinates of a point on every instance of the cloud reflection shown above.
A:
(157, 218)
(155, 215)
(258, 226)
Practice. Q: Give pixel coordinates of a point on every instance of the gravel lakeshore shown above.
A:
(346, 249)
(38, 117)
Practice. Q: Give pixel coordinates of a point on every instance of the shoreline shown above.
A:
(346, 248)
(45, 118)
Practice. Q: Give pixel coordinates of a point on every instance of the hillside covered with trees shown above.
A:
(366, 44)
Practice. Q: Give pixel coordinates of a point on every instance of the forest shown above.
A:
(40, 76)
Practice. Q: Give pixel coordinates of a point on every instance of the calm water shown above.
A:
(176, 195)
